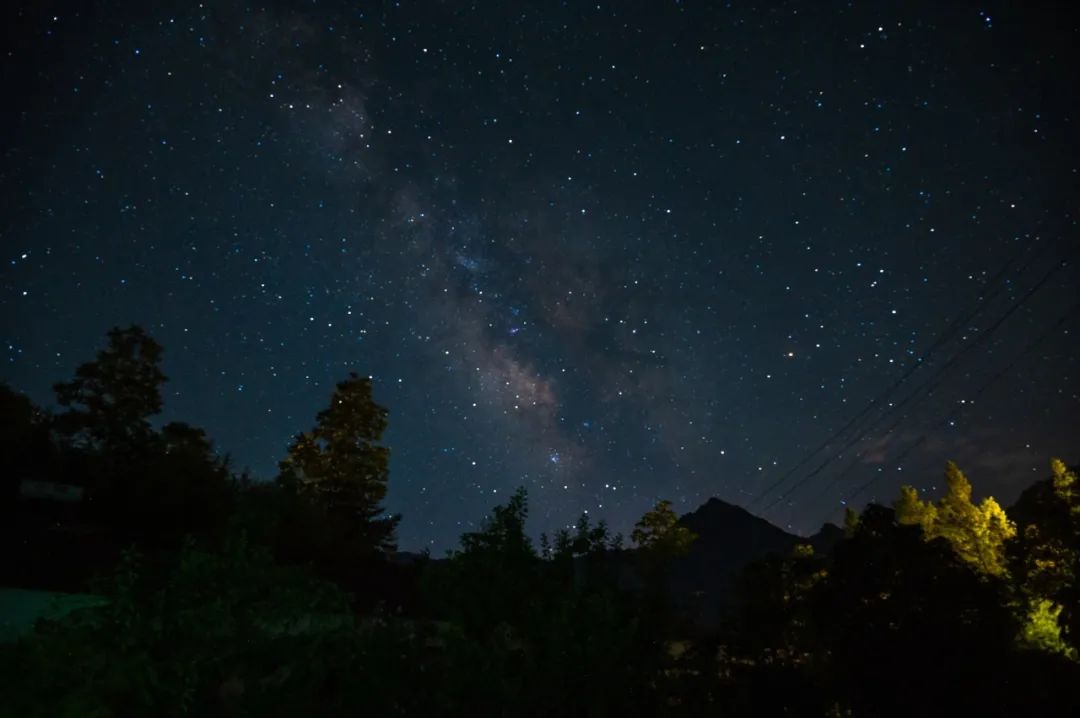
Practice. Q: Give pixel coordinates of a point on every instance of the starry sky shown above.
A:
(789, 254)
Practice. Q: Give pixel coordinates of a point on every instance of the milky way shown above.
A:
(791, 255)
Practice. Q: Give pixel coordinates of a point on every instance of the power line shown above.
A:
(931, 383)
(982, 389)
(949, 417)
(942, 339)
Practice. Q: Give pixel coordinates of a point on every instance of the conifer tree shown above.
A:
(1066, 487)
(340, 464)
(658, 532)
(851, 521)
(977, 534)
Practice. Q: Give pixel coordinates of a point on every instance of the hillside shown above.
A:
(729, 538)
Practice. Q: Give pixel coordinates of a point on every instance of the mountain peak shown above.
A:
(726, 528)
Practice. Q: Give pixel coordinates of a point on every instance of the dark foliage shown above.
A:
(235, 597)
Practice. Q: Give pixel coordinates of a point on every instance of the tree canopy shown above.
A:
(658, 532)
(976, 532)
(238, 597)
(341, 465)
(111, 399)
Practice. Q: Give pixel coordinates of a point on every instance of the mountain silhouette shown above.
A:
(728, 539)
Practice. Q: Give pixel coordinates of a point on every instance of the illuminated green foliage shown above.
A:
(801, 571)
(1047, 563)
(977, 533)
(851, 521)
(339, 464)
(1066, 487)
(1044, 559)
(216, 626)
(1042, 630)
(910, 509)
(659, 532)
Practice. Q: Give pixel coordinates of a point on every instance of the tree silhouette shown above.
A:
(504, 530)
(24, 443)
(493, 580)
(897, 605)
(947, 596)
(111, 398)
(226, 633)
(340, 465)
(525, 637)
(1044, 559)
(180, 487)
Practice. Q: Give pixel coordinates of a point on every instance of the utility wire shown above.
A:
(942, 339)
(949, 417)
(982, 389)
(931, 383)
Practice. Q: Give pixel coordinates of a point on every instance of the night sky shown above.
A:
(610, 252)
